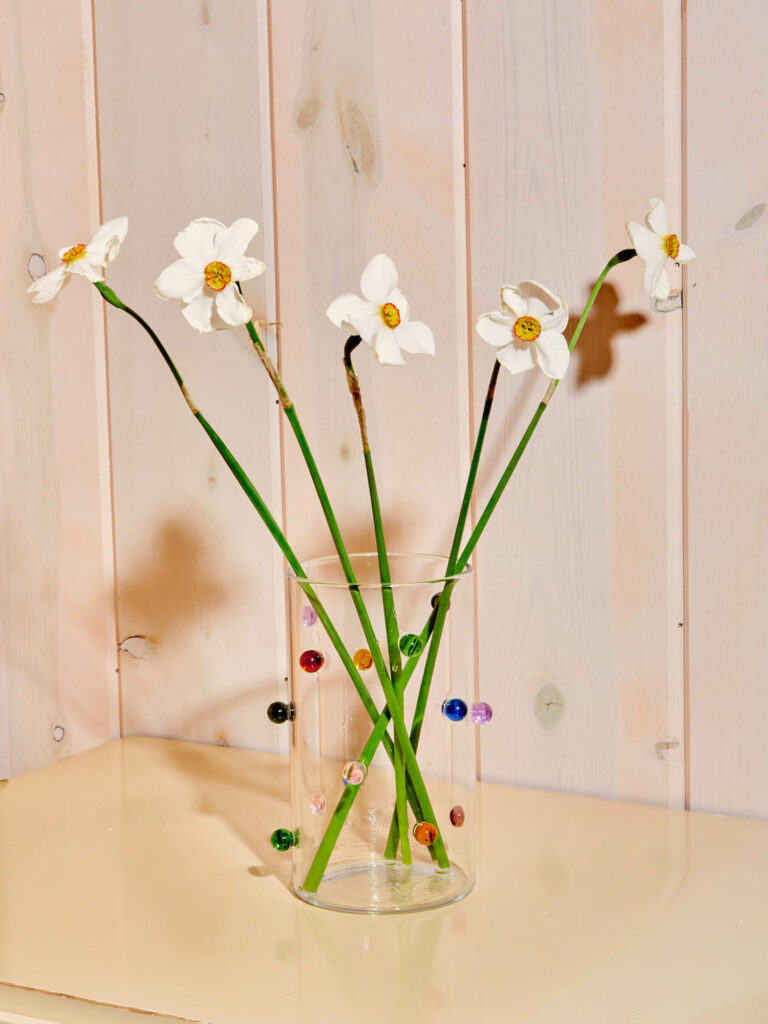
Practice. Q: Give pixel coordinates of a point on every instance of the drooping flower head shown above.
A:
(656, 246)
(381, 316)
(84, 258)
(205, 279)
(528, 330)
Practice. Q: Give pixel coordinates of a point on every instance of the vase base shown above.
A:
(379, 887)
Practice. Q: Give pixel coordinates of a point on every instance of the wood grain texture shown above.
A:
(183, 134)
(580, 572)
(368, 158)
(57, 651)
(727, 189)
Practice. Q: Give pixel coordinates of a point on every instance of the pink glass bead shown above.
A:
(457, 816)
(481, 713)
(308, 615)
(311, 661)
(317, 803)
(354, 773)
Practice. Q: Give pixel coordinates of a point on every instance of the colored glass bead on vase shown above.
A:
(481, 713)
(311, 661)
(455, 709)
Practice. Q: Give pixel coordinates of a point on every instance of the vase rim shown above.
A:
(310, 564)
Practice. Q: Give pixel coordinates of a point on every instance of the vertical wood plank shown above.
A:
(727, 197)
(368, 153)
(573, 123)
(57, 652)
(200, 602)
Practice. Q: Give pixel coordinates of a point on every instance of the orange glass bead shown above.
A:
(362, 659)
(424, 832)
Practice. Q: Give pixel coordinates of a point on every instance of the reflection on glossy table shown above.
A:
(140, 875)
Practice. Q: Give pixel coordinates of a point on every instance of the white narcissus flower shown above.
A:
(212, 261)
(656, 245)
(381, 316)
(528, 330)
(85, 259)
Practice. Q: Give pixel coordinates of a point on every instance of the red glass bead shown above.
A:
(457, 816)
(311, 661)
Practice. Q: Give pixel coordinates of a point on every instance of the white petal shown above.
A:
(197, 242)
(555, 320)
(516, 359)
(368, 327)
(378, 280)
(231, 307)
(198, 313)
(397, 299)
(348, 308)
(85, 269)
(232, 242)
(495, 328)
(685, 254)
(552, 354)
(180, 281)
(539, 298)
(386, 348)
(512, 300)
(49, 285)
(657, 218)
(414, 336)
(660, 289)
(645, 242)
(106, 241)
(653, 272)
(245, 267)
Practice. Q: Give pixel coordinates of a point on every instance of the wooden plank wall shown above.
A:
(58, 682)
(477, 143)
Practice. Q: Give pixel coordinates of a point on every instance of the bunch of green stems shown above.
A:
(409, 783)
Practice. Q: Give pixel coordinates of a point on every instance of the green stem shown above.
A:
(620, 257)
(387, 599)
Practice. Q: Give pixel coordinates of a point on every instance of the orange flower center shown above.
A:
(671, 246)
(217, 275)
(75, 253)
(390, 314)
(527, 328)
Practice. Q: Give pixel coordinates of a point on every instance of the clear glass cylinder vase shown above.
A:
(362, 774)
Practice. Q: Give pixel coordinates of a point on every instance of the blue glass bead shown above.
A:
(410, 644)
(455, 709)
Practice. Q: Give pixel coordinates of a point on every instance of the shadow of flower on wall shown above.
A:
(594, 352)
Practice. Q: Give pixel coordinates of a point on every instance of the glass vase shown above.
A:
(362, 775)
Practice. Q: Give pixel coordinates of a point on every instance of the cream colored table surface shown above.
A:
(140, 875)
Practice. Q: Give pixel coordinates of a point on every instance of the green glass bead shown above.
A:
(282, 839)
(410, 644)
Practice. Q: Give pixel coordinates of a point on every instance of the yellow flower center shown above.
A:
(217, 275)
(75, 253)
(527, 328)
(390, 314)
(671, 246)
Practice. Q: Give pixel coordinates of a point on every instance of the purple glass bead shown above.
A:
(354, 773)
(481, 713)
(308, 615)
(317, 803)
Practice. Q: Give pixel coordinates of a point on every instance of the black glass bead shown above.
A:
(279, 712)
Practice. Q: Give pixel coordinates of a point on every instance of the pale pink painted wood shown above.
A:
(183, 134)
(573, 121)
(727, 190)
(57, 651)
(368, 159)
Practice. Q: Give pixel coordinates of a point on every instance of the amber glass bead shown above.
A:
(311, 661)
(282, 839)
(424, 832)
(362, 659)
(410, 644)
